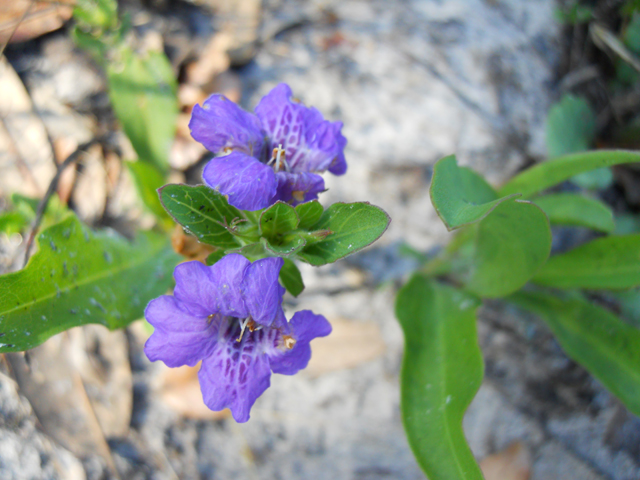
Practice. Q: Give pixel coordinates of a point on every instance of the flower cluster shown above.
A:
(276, 154)
(230, 317)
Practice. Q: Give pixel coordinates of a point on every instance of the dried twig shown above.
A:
(42, 206)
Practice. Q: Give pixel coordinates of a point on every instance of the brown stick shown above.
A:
(42, 206)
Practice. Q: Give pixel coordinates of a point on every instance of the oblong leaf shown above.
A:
(78, 277)
(284, 249)
(309, 213)
(279, 218)
(291, 278)
(576, 210)
(147, 179)
(459, 195)
(511, 245)
(353, 226)
(570, 126)
(202, 211)
(609, 262)
(441, 372)
(143, 94)
(594, 337)
(553, 172)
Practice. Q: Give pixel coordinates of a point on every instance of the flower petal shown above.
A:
(295, 188)
(263, 293)
(206, 290)
(305, 326)
(249, 184)
(221, 124)
(234, 376)
(312, 144)
(179, 338)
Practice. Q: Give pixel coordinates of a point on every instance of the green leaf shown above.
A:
(511, 245)
(609, 262)
(553, 172)
(309, 214)
(575, 14)
(96, 13)
(253, 251)
(13, 222)
(571, 126)
(441, 372)
(143, 94)
(353, 226)
(629, 301)
(78, 277)
(55, 212)
(459, 195)
(631, 35)
(577, 210)
(279, 218)
(213, 257)
(595, 338)
(288, 248)
(148, 179)
(626, 223)
(291, 278)
(202, 211)
(598, 179)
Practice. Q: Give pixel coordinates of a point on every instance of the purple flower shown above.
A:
(230, 316)
(273, 155)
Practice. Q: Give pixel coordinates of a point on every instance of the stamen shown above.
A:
(278, 159)
(243, 325)
(288, 341)
(253, 326)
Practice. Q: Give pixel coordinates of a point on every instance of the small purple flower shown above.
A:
(273, 155)
(230, 316)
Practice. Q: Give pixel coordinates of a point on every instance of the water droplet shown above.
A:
(448, 400)
(27, 333)
(44, 319)
(107, 256)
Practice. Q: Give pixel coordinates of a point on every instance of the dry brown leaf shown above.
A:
(42, 17)
(26, 158)
(102, 359)
(188, 246)
(57, 395)
(512, 463)
(179, 389)
(349, 345)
